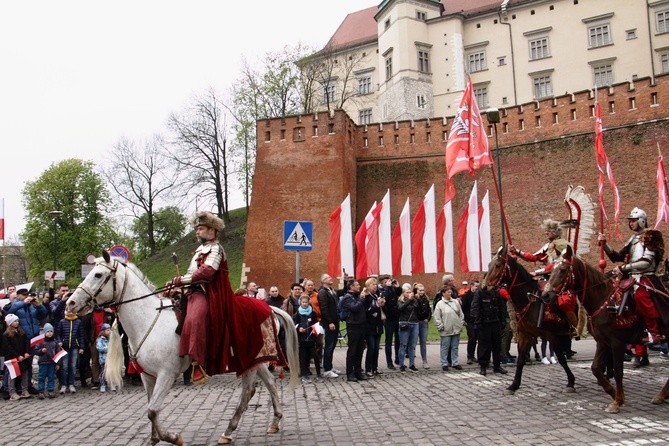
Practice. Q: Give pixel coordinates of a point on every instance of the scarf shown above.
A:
(305, 311)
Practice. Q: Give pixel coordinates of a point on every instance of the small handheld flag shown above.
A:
(36, 340)
(57, 357)
(13, 368)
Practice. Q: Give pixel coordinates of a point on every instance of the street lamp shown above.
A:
(493, 118)
(54, 216)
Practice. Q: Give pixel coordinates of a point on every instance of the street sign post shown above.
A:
(297, 237)
(120, 251)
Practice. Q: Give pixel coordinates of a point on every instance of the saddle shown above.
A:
(621, 303)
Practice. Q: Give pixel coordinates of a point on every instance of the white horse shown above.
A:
(149, 323)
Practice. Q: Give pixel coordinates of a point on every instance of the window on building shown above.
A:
(423, 61)
(365, 84)
(539, 48)
(389, 67)
(599, 35)
(481, 95)
(603, 75)
(664, 62)
(501, 61)
(477, 62)
(421, 15)
(329, 93)
(542, 86)
(662, 21)
(386, 24)
(631, 34)
(365, 116)
(420, 101)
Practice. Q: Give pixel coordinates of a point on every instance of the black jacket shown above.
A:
(328, 300)
(487, 307)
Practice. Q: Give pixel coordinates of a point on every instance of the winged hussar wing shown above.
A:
(581, 223)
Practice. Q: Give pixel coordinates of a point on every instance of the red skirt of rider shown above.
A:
(194, 333)
(645, 307)
(567, 302)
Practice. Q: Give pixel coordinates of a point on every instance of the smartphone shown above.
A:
(261, 293)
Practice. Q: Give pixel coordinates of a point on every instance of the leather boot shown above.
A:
(483, 370)
(198, 375)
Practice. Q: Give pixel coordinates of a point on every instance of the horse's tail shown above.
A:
(114, 365)
(292, 346)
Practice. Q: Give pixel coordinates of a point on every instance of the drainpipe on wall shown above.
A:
(503, 14)
(650, 45)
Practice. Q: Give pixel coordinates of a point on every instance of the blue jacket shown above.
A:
(356, 309)
(71, 333)
(51, 346)
(102, 344)
(29, 316)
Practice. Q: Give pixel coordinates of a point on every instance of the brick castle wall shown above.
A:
(306, 165)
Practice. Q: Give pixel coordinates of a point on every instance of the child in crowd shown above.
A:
(16, 345)
(305, 318)
(70, 332)
(102, 345)
(46, 350)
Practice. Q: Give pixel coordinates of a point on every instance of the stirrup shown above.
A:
(198, 375)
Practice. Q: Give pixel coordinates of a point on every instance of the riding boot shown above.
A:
(198, 375)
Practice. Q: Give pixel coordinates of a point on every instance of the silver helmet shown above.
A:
(639, 214)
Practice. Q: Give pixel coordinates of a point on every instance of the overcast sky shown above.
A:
(77, 76)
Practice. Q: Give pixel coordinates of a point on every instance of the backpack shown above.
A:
(341, 310)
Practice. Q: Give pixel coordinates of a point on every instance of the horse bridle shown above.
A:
(112, 276)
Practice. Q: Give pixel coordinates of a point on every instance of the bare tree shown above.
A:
(199, 148)
(142, 175)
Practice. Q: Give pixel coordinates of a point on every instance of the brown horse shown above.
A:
(612, 332)
(524, 290)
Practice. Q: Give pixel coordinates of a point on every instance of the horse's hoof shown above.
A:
(509, 392)
(569, 389)
(273, 429)
(224, 440)
(612, 408)
(657, 400)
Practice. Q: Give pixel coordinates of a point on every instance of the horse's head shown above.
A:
(560, 274)
(98, 288)
(497, 269)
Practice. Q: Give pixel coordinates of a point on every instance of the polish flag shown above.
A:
(367, 243)
(317, 329)
(13, 367)
(59, 355)
(385, 237)
(445, 239)
(662, 205)
(424, 236)
(484, 232)
(401, 243)
(604, 168)
(468, 235)
(340, 244)
(36, 340)
(2, 219)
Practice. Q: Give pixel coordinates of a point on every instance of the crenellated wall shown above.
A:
(304, 174)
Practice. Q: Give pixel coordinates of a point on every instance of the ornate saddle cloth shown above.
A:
(627, 318)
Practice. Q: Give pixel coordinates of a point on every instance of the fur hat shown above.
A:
(48, 327)
(11, 318)
(552, 226)
(207, 219)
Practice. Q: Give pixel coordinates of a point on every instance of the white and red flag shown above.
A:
(36, 340)
(604, 167)
(340, 244)
(13, 368)
(385, 237)
(424, 236)
(469, 246)
(367, 243)
(445, 239)
(59, 355)
(662, 195)
(401, 243)
(484, 232)
(467, 147)
(317, 329)
(2, 219)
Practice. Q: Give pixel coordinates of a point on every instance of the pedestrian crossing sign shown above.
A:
(297, 235)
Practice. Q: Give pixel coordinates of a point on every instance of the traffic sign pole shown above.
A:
(297, 266)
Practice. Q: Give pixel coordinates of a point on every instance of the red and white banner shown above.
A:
(662, 195)
(36, 340)
(340, 244)
(2, 219)
(467, 146)
(385, 237)
(445, 239)
(367, 243)
(468, 235)
(484, 232)
(424, 236)
(401, 243)
(13, 368)
(317, 329)
(604, 166)
(59, 355)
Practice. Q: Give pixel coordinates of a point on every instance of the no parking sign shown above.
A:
(120, 251)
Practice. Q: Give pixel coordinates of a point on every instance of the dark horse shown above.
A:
(523, 289)
(595, 291)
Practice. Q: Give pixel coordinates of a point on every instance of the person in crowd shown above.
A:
(469, 323)
(100, 316)
(424, 312)
(309, 290)
(16, 346)
(487, 311)
(374, 328)
(407, 305)
(102, 345)
(447, 281)
(274, 299)
(449, 320)
(251, 290)
(507, 331)
(292, 302)
(353, 304)
(85, 360)
(390, 291)
(46, 350)
(550, 358)
(70, 333)
(328, 302)
(305, 319)
(57, 302)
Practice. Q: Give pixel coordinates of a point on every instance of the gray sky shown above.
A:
(78, 75)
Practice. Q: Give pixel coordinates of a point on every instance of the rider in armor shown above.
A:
(547, 255)
(641, 257)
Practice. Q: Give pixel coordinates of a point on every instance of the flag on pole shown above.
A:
(484, 232)
(662, 196)
(604, 167)
(445, 239)
(59, 355)
(424, 236)
(469, 246)
(2, 219)
(340, 244)
(13, 367)
(401, 243)
(367, 244)
(385, 237)
(467, 147)
(36, 340)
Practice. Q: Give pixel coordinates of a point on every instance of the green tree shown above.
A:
(74, 189)
(168, 228)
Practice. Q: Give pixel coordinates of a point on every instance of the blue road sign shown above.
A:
(120, 251)
(297, 235)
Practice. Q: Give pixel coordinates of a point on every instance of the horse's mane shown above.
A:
(593, 275)
(141, 275)
(524, 275)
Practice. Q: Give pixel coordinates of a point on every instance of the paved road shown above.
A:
(425, 408)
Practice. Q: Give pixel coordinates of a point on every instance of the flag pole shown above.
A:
(602, 259)
(493, 118)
